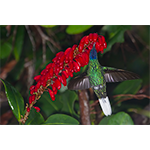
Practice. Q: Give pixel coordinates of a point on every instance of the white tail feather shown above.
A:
(105, 104)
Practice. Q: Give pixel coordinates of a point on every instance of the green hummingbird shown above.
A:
(96, 78)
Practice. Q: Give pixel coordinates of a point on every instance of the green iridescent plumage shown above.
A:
(96, 77)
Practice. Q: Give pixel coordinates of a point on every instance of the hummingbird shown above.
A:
(96, 78)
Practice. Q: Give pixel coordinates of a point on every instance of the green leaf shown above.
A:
(64, 103)
(19, 41)
(116, 34)
(48, 26)
(76, 29)
(48, 106)
(34, 118)
(5, 49)
(15, 99)
(128, 87)
(61, 119)
(120, 118)
(68, 98)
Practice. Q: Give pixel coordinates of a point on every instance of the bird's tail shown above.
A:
(105, 104)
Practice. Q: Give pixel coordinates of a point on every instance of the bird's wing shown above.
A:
(118, 75)
(80, 82)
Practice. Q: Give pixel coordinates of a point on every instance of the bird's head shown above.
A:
(93, 53)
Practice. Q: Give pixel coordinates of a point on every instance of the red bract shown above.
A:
(105, 45)
(32, 87)
(95, 36)
(37, 108)
(90, 37)
(80, 48)
(51, 93)
(76, 66)
(87, 40)
(36, 78)
(57, 84)
(82, 40)
(53, 87)
(64, 82)
(28, 109)
(65, 74)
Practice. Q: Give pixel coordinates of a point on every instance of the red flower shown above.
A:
(28, 109)
(51, 93)
(37, 108)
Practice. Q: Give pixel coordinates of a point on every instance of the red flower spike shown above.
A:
(37, 108)
(105, 45)
(80, 48)
(87, 40)
(65, 74)
(90, 37)
(32, 87)
(28, 109)
(95, 36)
(36, 78)
(57, 84)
